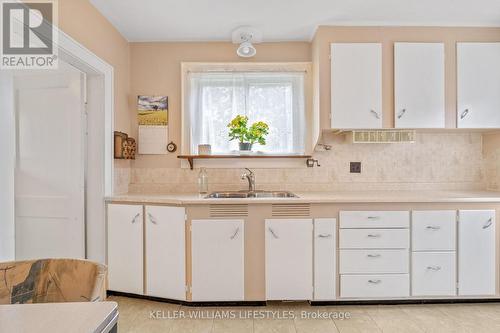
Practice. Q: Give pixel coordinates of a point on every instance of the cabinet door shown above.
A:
(419, 85)
(433, 274)
(217, 260)
(478, 80)
(289, 259)
(125, 248)
(325, 263)
(165, 252)
(476, 252)
(434, 230)
(356, 85)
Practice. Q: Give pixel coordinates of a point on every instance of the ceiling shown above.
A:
(283, 20)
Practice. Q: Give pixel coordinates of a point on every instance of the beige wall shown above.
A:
(387, 36)
(491, 155)
(156, 70)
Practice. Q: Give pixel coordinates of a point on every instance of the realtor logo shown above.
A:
(28, 35)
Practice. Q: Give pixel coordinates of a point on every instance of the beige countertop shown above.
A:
(321, 197)
(87, 317)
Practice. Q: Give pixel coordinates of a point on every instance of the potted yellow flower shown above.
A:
(247, 136)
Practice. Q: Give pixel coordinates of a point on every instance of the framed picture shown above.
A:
(152, 115)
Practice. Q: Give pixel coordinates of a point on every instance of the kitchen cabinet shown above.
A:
(325, 273)
(125, 248)
(476, 253)
(478, 84)
(419, 85)
(356, 85)
(434, 274)
(165, 252)
(289, 259)
(434, 230)
(217, 260)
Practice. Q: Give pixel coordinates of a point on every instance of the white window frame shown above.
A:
(187, 67)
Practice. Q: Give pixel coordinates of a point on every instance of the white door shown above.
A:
(478, 80)
(289, 259)
(356, 85)
(50, 164)
(419, 85)
(165, 252)
(125, 248)
(218, 260)
(476, 253)
(325, 255)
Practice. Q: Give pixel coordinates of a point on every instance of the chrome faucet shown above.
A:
(249, 175)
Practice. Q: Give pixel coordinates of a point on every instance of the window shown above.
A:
(214, 98)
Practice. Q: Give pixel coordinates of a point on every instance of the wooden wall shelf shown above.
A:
(191, 158)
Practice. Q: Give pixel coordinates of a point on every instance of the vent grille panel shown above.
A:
(291, 210)
(228, 210)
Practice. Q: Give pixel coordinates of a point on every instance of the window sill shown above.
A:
(192, 158)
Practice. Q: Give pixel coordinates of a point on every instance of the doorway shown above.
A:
(50, 163)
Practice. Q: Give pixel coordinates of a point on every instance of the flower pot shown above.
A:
(245, 146)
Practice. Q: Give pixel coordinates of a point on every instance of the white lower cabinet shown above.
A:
(289, 259)
(434, 274)
(217, 260)
(165, 252)
(125, 248)
(325, 253)
(476, 253)
(374, 261)
(375, 286)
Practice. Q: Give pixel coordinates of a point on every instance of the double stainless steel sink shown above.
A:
(250, 194)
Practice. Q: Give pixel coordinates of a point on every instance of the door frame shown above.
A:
(99, 171)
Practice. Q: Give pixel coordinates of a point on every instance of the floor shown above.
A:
(151, 317)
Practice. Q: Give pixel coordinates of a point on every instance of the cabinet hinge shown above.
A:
(188, 289)
(185, 217)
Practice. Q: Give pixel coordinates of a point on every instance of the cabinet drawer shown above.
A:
(371, 286)
(374, 219)
(433, 274)
(374, 239)
(434, 230)
(374, 261)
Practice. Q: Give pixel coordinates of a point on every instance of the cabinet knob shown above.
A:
(374, 281)
(433, 227)
(464, 114)
(374, 255)
(325, 235)
(273, 233)
(401, 114)
(488, 224)
(235, 233)
(373, 235)
(375, 113)
(136, 217)
(434, 268)
(152, 219)
(373, 217)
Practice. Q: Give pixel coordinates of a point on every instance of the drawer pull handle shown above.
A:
(373, 217)
(433, 227)
(434, 268)
(136, 217)
(152, 219)
(325, 235)
(374, 255)
(373, 235)
(273, 233)
(374, 281)
(488, 224)
(235, 233)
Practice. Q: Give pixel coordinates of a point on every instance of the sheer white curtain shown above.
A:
(275, 98)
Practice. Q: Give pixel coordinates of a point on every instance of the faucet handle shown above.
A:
(250, 171)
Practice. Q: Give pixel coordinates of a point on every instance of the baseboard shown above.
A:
(405, 301)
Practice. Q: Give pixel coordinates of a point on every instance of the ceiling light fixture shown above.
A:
(245, 36)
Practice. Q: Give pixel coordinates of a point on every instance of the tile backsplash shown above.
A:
(436, 161)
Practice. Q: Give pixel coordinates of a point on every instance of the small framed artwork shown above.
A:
(153, 124)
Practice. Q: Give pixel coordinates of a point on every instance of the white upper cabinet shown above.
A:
(419, 85)
(478, 85)
(356, 83)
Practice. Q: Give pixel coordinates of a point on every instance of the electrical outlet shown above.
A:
(355, 167)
